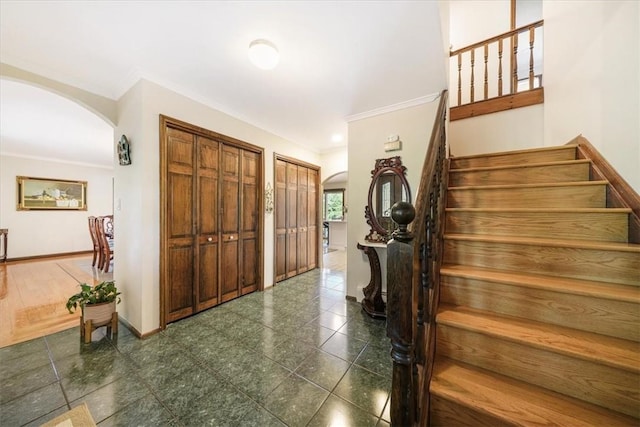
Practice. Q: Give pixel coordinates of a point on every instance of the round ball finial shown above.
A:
(403, 213)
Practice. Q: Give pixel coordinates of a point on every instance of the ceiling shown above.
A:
(338, 59)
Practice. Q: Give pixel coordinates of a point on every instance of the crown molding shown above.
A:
(394, 107)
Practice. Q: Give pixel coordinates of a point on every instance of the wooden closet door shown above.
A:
(313, 218)
(281, 219)
(249, 237)
(207, 230)
(303, 219)
(180, 224)
(230, 261)
(292, 220)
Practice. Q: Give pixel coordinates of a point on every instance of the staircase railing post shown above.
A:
(400, 325)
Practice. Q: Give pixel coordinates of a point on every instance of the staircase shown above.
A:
(539, 314)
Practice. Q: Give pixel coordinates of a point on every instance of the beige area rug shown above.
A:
(77, 417)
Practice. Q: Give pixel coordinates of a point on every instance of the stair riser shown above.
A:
(595, 383)
(580, 196)
(447, 413)
(602, 226)
(580, 263)
(521, 175)
(557, 155)
(618, 319)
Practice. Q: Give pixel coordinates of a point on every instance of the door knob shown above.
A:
(209, 239)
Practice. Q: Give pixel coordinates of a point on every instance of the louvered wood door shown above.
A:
(230, 262)
(280, 211)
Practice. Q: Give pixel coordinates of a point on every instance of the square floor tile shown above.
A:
(32, 405)
(376, 359)
(291, 353)
(112, 398)
(26, 382)
(147, 411)
(338, 412)
(364, 389)
(343, 346)
(323, 369)
(296, 401)
(256, 375)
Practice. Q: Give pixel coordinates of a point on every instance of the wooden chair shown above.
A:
(96, 242)
(105, 237)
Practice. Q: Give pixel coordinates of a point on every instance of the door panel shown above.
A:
(303, 199)
(208, 272)
(179, 230)
(280, 210)
(249, 261)
(179, 302)
(251, 171)
(292, 220)
(229, 288)
(312, 229)
(229, 277)
(207, 231)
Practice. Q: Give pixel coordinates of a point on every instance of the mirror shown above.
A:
(388, 185)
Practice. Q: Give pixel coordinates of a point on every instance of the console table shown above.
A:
(372, 303)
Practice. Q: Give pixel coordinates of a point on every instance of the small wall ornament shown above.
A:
(124, 155)
(268, 198)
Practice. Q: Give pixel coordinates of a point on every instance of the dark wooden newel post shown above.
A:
(399, 315)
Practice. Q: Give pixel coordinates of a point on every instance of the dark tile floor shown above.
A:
(297, 354)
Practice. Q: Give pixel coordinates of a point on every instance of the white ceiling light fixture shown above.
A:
(264, 54)
(337, 138)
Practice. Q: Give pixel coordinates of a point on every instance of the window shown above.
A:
(333, 204)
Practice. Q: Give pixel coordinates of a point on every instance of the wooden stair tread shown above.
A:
(525, 150)
(532, 185)
(515, 402)
(544, 210)
(614, 352)
(520, 166)
(561, 243)
(558, 284)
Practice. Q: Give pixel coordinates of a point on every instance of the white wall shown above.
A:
(366, 144)
(333, 162)
(592, 79)
(138, 184)
(516, 129)
(33, 233)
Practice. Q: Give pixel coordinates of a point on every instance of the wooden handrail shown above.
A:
(502, 36)
(413, 265)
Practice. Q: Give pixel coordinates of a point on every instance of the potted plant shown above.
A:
(98, 305)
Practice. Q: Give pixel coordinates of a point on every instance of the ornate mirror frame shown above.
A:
(383, 166)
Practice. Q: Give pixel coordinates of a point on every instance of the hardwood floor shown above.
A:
(33, 295)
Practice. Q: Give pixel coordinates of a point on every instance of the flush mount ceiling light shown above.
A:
(263, 54)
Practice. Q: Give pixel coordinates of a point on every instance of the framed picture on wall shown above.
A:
(51, 194)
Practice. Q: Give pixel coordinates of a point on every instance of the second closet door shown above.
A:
(296, 221)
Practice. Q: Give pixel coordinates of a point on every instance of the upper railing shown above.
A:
(413, 265)
(499, 73)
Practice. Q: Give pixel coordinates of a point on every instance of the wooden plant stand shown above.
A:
(90, 320)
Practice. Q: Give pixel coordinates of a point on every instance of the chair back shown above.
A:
(94, 232)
